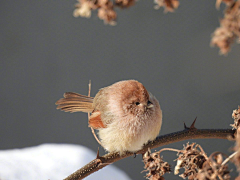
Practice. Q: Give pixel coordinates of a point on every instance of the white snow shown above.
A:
(52, 162)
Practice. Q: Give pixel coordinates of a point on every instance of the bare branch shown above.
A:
(186, 134)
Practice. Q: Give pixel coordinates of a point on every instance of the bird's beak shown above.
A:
(150, 106)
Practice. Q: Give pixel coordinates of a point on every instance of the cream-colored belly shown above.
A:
(115, 138)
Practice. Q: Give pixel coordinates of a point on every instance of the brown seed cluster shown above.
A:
(213, 169)
(124, 3)
(235, 125)
(155, 166)
(106, 12)
(229, 30)
(236, 117)
(105, 9)
(198, 166)
(236, 158)
(169, 5)
(191, 158)
(223, 37)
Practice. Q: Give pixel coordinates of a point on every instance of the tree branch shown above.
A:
(186, 134)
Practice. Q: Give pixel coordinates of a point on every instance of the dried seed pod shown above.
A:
(229, 29)
(155, 166)
(169, 5)
(236, 117)
(124, 3)
(213, 169)
(236, 158)
(191, 158)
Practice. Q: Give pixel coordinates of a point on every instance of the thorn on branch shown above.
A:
(193, 124)
(192, 127)
(185, 127)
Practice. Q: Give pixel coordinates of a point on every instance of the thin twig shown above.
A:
(168, 149)
(229, 157)
(93, 132)
(214, 168)
(203, 153)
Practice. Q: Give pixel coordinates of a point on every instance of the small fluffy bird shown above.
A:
(126, 115)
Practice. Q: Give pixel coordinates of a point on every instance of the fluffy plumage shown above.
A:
(125, 113)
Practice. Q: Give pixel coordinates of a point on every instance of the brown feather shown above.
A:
(74, 102)
(95, 120)
(73, 94)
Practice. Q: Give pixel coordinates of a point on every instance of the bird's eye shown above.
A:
(137, 103)
(149, 103)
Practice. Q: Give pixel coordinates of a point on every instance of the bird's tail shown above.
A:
(74, 102)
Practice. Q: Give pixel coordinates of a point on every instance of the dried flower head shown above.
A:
(236, 158)
(107, 15)
(84, 8)
(106, 12)
(236, 117)
(229, 29)
(227, 2)
(169, 5)
(191, 158)
(213, 169)
(223, 38)
(155, 166)
(124, 3)
(105, 8)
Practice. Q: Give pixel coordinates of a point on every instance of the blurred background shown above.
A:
(45, 52)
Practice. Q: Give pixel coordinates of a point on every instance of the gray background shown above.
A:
(45, 52)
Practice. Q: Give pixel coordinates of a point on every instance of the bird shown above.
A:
(125, 114)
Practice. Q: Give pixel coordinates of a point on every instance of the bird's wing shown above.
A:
(95, 120)
(74, 102)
